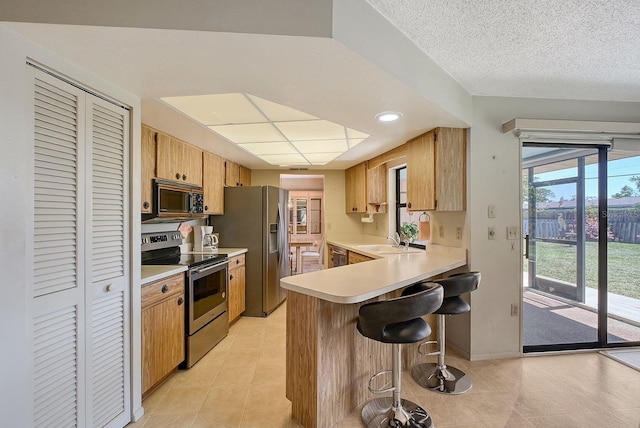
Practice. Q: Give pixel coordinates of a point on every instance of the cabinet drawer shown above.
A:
(162, 289)
(236, 261)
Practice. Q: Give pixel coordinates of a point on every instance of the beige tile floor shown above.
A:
(241, 383)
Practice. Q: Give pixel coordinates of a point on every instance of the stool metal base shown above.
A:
(448, 381)
(378, 413)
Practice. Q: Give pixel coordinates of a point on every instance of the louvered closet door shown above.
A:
(58, 243)
(107, 271)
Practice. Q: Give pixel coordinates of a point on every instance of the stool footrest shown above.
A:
(385, 387)
(423, 345)
(380, 412)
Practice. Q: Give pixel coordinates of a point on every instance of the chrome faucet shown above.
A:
(396, 240)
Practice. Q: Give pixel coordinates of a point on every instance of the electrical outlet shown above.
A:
(328, 226)
(491, 211)
(458, 233)
(512, 232)
(491, 233)
(441, 231)
(514, 310)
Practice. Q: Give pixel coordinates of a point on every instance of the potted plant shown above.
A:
(408, 232)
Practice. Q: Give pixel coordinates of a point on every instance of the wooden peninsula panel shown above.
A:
(328, 362)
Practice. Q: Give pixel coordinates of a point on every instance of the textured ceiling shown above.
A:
(570, 49)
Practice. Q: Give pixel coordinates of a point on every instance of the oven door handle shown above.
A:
(207, 269)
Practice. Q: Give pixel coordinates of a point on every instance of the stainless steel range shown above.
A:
(206, 317)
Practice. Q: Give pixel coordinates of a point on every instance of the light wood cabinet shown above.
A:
(244, 175)
(163, 335)
(366, 189)
(356, 189)
(436, 171)
(353, 258)
(377, 188)
(236, 298)
(178, 161)
(213, 183)
(148, 173)
(236, 175)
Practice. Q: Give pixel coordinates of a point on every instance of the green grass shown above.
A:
(559, 261)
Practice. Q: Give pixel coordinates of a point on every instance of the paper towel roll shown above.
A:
(424, 231)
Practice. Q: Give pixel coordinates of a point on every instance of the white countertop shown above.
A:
(362, 281)
(151, 273)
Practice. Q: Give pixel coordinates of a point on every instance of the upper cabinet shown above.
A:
(178, 161)
(366, 189)
(213, 183)
(236, 175)
(436, 163)
(148, 153)
(356, 188)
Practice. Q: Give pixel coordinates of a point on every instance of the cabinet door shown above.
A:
(244, 176)
(191, 164)
(354, 258)
(162, 339)
(356, 189)
(377, 188)
(148, 149)
(213, 183)
(236, 287)
(421, 173)
(450, 169)
(168, 157)
(232, 174)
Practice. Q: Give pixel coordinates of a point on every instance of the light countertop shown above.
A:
(362, 281)
(151, 273)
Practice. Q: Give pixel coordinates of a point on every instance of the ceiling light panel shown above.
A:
(321, 158)
(269, 148)
(354, 142)
(352, 133)
(311, 130)
(219, 109)
(251, 133)
(279, 113)
(291, 159)
(321, 146)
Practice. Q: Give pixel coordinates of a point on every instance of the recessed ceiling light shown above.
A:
(388, 116)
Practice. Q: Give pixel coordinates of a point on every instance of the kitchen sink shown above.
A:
(388, 249)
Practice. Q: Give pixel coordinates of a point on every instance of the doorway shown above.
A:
(578, 293)
(306, 225)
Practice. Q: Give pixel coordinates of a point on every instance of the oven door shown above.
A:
(207, 295)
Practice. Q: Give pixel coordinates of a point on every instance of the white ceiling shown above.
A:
(546, 49)
(570, 49)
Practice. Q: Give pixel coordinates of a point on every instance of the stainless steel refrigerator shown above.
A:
(255, 218)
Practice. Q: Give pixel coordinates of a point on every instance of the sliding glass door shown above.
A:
(567, 271)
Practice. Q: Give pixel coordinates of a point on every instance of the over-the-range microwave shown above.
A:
(175, 202)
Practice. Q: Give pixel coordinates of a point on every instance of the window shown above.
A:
(402, 215)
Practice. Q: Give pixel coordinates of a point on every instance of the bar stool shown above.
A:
(439, 377)
(398, 321)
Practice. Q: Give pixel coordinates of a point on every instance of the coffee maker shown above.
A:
(204, 239)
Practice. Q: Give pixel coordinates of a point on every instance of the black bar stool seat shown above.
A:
(398, 321)
(439, 377)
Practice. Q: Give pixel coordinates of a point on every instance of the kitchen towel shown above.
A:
(424, 228)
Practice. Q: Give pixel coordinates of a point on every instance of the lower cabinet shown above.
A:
(236, 286)
(163, 336)
(357, 258)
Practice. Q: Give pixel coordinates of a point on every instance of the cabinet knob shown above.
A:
(237, 262)
(108, 288)
(165, 288)
(145, 205)
(206, 207)
(230, 277)
(177, 176)
(408, 204)
(184, 177)
(180, 301)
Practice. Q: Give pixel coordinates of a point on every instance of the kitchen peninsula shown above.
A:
(328, 362)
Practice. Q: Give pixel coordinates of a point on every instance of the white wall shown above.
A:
(16, 212)
(494, 179)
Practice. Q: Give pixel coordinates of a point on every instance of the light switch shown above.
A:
(491, 211)
(491, 233)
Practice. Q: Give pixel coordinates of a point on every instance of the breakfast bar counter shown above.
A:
(328, 362)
